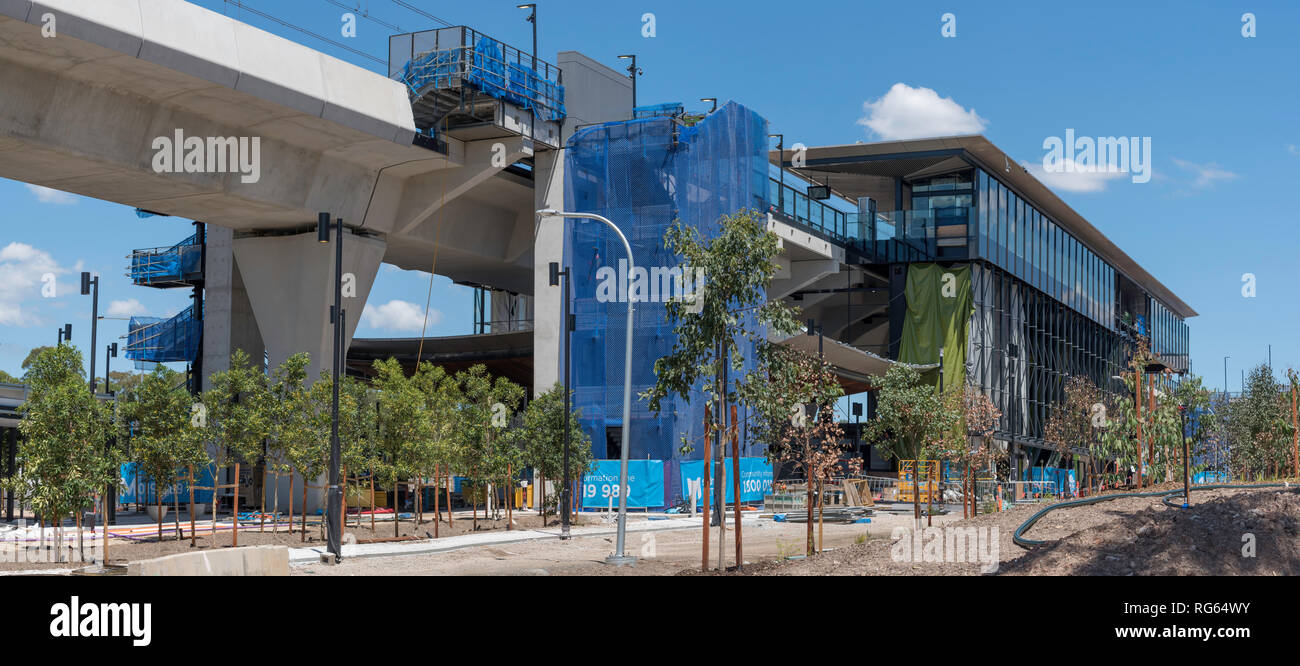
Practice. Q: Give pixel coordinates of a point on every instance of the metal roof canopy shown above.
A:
(919, 157)
(855, 367)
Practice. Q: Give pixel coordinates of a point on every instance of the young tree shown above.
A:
(912, 419)
(785, 387)
(63, 458)
(1259, 426)
(296, 437)
(163, 438)
(442, 399)
(543, 436)
(235, 415)
(404, 424)
(732, 309)
(1077, 423)
(487, 450)
(980, 417)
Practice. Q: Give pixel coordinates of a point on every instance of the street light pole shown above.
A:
(86, 284)
(632, 72)
(566, 498)
(334, 503)
(620, 556)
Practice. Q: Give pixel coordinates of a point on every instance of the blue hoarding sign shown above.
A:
(138, 489)
(644, 477)
(755, 479)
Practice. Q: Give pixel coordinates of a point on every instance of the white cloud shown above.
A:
(914, 113)
(22, 271)
(49, 196)
(127, 308)
(1074, 178)
(1206, 174)
(1291, 148)
(398, 316)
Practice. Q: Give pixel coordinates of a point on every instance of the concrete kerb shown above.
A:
(305, 556)
(248, 561)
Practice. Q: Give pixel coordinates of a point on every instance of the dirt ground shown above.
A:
(1129, 536)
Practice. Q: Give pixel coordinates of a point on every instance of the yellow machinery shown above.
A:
(912, 473)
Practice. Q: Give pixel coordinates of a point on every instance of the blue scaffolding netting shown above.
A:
(644, 174)
(166, 264)
(489, 66)
(156, 340)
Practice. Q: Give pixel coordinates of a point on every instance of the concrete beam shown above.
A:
(424, 195)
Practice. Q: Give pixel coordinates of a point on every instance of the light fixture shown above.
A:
(711, 99)
(323, 228)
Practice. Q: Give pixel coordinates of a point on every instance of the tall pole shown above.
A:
(620, 556)
(632, 73)
(780, 163)
(334, 498)
(567, 491)
(87, 284)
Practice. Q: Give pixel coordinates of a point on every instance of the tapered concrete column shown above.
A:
(290, 282)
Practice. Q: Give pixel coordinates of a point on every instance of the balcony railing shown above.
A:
(456, 57)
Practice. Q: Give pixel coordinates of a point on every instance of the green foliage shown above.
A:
(403, 423)
(542, 434)
(358, 423)
(6, 378)
(781, 390)
(912, 419)
(32, 355)
(487, 448)
(236, 418)
(62, 454)
(295, 436)
(738, 265)
(1259, 427)
(163, 436)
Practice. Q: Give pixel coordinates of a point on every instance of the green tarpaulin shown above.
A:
(938, 315)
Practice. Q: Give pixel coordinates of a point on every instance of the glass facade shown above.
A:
(1030, 246)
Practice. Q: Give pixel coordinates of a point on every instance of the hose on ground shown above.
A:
(1163, 494)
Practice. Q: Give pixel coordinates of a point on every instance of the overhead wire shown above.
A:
(305, 31)
(421, 12)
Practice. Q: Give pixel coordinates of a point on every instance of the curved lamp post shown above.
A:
(620, 556)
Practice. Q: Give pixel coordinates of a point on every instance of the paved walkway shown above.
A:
(304, 556)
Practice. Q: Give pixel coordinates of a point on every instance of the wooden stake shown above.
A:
(372, 504)
(304, 509)
(291, 501)
(450, 520)
(735, 483)
(191, 486)
(509, 499)
(234, 512)
(704, 484)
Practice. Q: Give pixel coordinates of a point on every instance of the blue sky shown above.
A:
(1220, 110)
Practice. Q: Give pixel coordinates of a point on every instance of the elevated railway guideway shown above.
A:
(171, 108)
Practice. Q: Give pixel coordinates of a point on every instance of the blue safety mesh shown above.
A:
(155, 340)
(491, 68)
(167, 264)
(644, 174)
